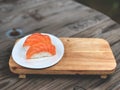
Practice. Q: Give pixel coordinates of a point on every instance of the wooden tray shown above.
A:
(82, 56)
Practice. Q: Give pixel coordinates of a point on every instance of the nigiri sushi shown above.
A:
(36, 38)
(40, 50)
(38, 45)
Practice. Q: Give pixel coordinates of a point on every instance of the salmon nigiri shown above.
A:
(36, 38)
(38, 45)
(40, 50)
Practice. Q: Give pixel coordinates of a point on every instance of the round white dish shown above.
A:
(18, 54)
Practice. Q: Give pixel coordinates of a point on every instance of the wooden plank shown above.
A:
(36, 10)
(82, 56)
(83, 22)
(60, 19)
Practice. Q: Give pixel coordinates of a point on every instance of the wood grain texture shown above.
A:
(82, 56)
(63, 18)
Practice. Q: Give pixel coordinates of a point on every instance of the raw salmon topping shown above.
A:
(36, 38)
(39, 46)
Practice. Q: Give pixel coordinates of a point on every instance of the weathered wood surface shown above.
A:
(63, 18)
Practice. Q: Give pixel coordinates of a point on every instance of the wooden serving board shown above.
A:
(82, 56)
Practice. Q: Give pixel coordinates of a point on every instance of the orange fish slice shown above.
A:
(36, 38)
(40, 50)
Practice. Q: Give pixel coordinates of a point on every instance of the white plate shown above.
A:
(18, 54)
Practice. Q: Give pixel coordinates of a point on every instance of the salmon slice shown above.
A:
(36, 38)
(40, 50)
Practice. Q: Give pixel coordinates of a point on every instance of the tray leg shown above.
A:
(22, 76)
(103, 76)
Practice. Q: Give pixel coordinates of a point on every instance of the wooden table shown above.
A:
(63, 18)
